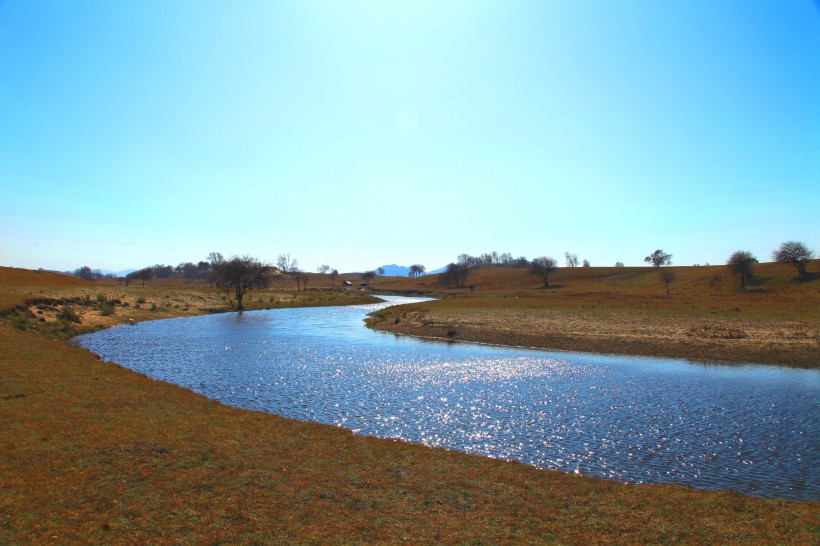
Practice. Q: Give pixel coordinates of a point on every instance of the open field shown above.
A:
(91, 452)
(627, 311)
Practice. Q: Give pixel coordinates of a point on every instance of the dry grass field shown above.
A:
(706, 316)
(94, 453)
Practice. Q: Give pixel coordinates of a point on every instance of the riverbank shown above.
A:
(701, 338)
(63, 306)
(92, 452)
(608, 310)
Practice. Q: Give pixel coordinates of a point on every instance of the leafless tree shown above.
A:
(667, 277)
(619, 264)
(215, 261)
(187, 270)
(586, 263)
(741, 263)
(144, 274)
(417, 270)
(162, 271)
(571, 259)
(290, 267)
(543, 267)
(240, 274)
(323, 269)
(795, 253)
(455, 273)
(87, 274)
(296, 274)
(368, 276)
(287, 264)
(659, 258)
(333, 274)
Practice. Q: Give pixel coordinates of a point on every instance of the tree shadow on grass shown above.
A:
(758, 281)
(551, 287)
(809, 276)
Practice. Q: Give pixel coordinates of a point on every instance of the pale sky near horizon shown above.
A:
(358, 134)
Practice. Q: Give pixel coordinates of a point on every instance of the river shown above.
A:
(749, 428)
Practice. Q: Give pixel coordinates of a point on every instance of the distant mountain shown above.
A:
(394, 270)
(122, 273)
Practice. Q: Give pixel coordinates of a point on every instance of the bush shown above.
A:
(68, 314)
(100, 298)
(107, 309)
(140, 300)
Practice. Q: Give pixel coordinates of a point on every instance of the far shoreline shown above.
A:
(689, 338)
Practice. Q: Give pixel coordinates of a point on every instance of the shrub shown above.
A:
(68, 314)
(107, 309)
(100, 298)
(140, 300)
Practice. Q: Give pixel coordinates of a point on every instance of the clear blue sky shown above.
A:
(357, 134)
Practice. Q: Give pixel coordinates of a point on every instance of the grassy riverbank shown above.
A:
(91, 452)
(627, 311)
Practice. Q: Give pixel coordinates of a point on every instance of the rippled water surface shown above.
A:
(754, 429)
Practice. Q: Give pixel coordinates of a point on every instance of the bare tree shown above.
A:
(85, 273)
(667, 277)
(287, 264)
(619, 264)
(323, 269)
(296, 274)
(571, 259)
(741, 263)
(795, 253)
(417, 270)
(290, 267)
(659, 258)
(215, 261)
(162, 271)
(333, 274)
(586, 263)
(215, 258)
(543, 267)
(457, 273)
(144, 274)
(187, 270)
(368, 276)
(305, 279)
(240, 274)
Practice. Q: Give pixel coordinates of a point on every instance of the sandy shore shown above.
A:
(791, 343)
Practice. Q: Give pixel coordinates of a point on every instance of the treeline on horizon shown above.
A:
(212, 269)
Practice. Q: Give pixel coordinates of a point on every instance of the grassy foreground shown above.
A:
(91, 452)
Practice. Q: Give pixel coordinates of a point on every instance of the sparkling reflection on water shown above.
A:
(753, 429)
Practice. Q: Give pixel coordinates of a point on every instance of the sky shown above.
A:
(360, 134)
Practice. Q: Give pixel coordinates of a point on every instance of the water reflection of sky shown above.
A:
(749, 428)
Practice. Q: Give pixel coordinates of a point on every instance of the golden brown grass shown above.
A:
(627, 311)
(93, 453)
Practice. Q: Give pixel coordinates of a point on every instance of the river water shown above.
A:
(749, 428)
